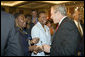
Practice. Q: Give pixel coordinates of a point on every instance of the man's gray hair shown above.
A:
(61, 8)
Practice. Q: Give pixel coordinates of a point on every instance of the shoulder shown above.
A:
(7, 18)
(5, 14)
(68, 23)
(35, 27)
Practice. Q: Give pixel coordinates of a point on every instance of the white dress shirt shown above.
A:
(45, 37)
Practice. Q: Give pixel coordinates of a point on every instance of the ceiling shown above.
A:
(39, 4)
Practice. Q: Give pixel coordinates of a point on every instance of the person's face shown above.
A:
(55, 16)
(21, 21)
(34, 13)
(77, 15)
(43, 18)
(80, 16)
(28, 19)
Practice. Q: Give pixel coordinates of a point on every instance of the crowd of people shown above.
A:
(35, 35)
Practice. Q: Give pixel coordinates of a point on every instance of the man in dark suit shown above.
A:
(66, 39)
(77, 15)
(10, 42)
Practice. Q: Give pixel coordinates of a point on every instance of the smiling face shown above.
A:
(21, 20)
(42, 18)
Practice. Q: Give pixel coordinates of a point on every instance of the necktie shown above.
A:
(57, 27)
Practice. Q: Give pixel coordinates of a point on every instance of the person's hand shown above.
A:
(34, 41)
(39, 49)
(32, 48)
(46, 48)
(35, 49)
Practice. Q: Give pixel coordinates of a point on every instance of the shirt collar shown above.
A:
(62, 19)
(40, 26)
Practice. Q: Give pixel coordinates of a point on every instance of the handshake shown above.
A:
(36, 49)
(34, 41)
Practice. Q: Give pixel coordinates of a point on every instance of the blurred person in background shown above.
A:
(10, 41)
(20, 24)
(34, 16)
(29, 23)
(77, 19)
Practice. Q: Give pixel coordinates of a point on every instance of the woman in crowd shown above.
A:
(20, 24)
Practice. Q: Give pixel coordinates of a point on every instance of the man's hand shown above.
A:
(35, 49)
(39, 49)
(34, 41)
(46, 48)
(32, 48)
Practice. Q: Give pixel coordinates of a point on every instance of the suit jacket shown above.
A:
(10, 42)
(23, 35)
(66, 39)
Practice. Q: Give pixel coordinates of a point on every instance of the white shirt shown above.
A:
(62, 19)
(45, 37)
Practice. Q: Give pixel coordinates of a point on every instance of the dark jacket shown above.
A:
(10, 41)
(66, 39)
(24, 38)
